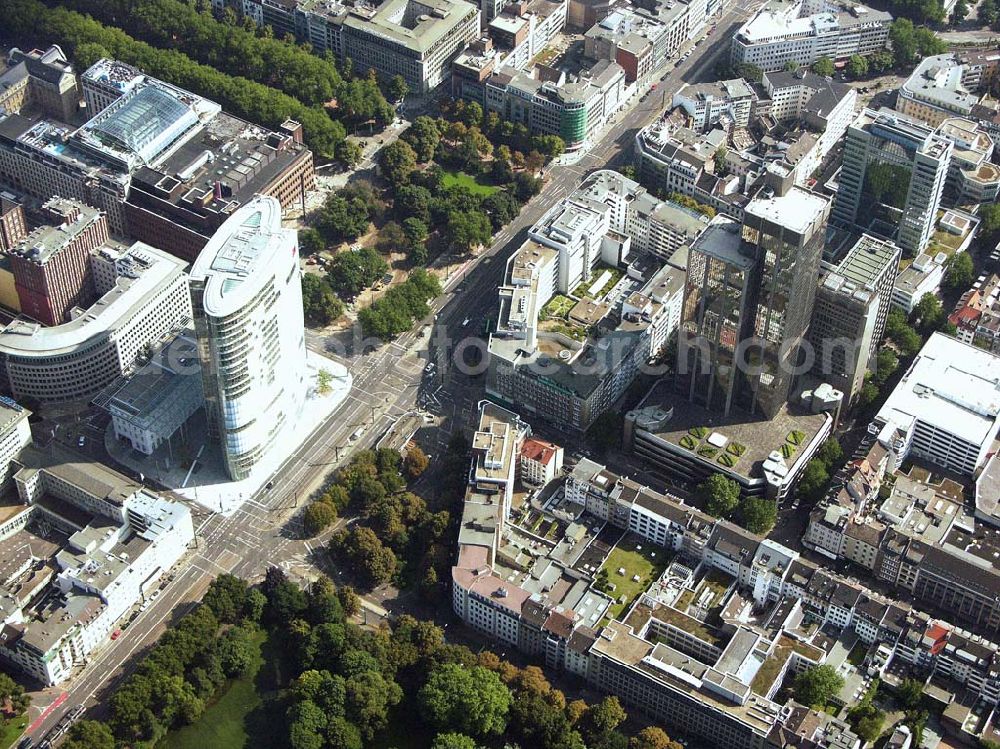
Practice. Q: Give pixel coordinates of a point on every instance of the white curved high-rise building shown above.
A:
(246, 295)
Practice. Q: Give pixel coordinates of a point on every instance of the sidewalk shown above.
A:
(194, 470)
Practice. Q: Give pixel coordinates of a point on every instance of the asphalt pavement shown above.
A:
(389, 380)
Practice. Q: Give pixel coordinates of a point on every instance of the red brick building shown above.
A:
(51, 265)
(12, 225)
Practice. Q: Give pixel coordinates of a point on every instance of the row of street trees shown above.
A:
(720, 497)
(340, 686)
(30, 22)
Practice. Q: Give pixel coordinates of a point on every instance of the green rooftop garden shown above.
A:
(695, 440)
(795, 437)
(576, 332)
(802, 648)
(636, 557)
(687, 624)
(684, 600)
(583, 290)
(945, 241)
(769, 670)
(557, 306)
(857, 655)
(717, 582)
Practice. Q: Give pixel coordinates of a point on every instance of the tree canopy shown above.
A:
(89, 734)
(719, 495)
(472, 701)
(817, 685)
(758, 514)
(319, 304)
(86, 40)
(823, 66)
(351, 272)
(960, 272)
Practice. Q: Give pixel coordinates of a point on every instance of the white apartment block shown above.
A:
(709, 104)
(574, 111)
(540, 461)
(973, 178)
(614, 327)
(143, 297)
(937, 89)
(923, 276)
(107, 565)
(523, 29)
(803, 31)
(828, 106)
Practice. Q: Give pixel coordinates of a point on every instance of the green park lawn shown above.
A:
(451, 177)
(242, 717)
(640, 563)
(12, 730)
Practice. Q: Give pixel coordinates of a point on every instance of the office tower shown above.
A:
(850, 311)
(787, 233)
(716, 314)
(748, 302)
(247, 300)
(51, 265)
(892, 178)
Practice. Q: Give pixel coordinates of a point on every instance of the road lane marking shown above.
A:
(47, 712)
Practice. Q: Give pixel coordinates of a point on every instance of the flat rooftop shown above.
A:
(938, 80)
(217, 167)
(724, 436)
(145, 122)
(418, 25)
(797, 210)
(722, 240)
(867, 260)
(154, 385)
(11, 412)
(240, 257)
(682, 672)
(69, 466)
(150, 271)
(952, 386)
(45, 241)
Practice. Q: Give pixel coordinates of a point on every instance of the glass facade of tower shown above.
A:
(748, 303)
(788, 261)
(716, 316)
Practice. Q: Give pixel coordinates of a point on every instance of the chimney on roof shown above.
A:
(293, 128)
